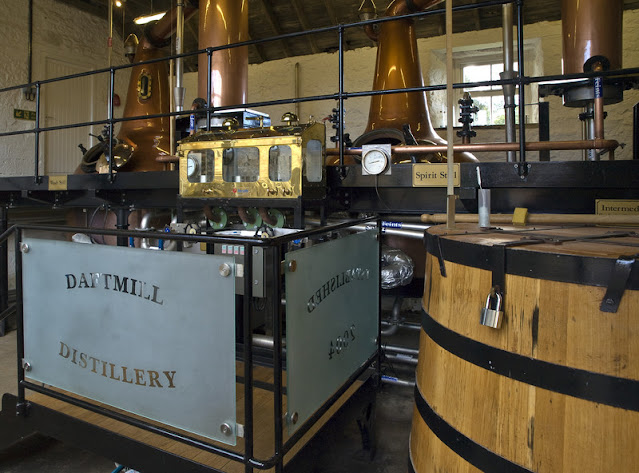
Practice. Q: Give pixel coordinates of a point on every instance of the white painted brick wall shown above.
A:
(59, 32)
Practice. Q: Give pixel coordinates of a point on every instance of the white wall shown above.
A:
(318, 75)
(63, 33)
(60, 33)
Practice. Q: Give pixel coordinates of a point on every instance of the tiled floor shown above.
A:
(337, 449)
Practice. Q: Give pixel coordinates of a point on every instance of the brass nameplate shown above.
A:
(616, 207)
(434, 175)
(57, 183)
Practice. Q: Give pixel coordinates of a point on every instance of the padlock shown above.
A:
(492, 317)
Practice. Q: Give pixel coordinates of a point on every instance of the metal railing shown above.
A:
(278, 245)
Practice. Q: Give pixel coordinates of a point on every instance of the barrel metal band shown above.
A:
(583, 270)
(582, 384)
(617, 284)
(474, 453)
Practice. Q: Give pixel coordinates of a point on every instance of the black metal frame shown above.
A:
(50, 422)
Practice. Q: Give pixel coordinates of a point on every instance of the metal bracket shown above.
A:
(617, 285)
(436, 250)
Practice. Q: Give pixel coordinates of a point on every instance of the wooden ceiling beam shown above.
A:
(259, 50)
(301, 16)
(270, 16)
(331, 12)
(476, 17)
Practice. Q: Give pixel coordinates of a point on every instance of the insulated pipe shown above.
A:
(224, 22)
(509, 73)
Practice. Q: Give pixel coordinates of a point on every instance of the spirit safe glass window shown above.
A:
(279, 163)
(200, 165)
(313, 161)
(241, 164)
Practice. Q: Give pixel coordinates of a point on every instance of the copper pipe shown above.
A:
(403, 7)
(166, 27)
(244, 216)
(591, 28)
(485, 147)
(224, 22)
(267, 217)
(398, 67)
(167, 158)
(371, 32)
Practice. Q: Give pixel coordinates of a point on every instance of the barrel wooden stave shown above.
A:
(557, 322)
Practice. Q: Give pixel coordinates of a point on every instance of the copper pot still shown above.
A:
(591, 28)
(142, 141)
(397, 67)
(224, 22)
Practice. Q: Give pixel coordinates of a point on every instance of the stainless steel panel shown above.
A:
(149, 332)
(332, 317)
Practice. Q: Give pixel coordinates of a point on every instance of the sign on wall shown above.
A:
(149, 332)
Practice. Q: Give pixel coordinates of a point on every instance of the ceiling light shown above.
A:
(118, 3)
(142, 20)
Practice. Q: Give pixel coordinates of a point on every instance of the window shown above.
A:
(241, 164)
(479, 63)
(279, 163)
(488, 99)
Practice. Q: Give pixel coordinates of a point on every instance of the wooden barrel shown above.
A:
(556, 388)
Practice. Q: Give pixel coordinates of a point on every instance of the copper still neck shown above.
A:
(591, 28)
(148, 94)
(224, 22)
(398, 67)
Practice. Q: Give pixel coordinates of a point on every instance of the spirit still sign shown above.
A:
(149, 332)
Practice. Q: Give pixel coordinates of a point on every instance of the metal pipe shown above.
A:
(179, 62)
(110, 38)
(265, 341)
(297, 88)
(397, 382)
(406, 325)
(403, 350)
(485, 147)
(522, 94)
(509, 73)
(30, 44)
(145, 224)
(36, 171)
(340, 129)
(395, 318)
(404, 359)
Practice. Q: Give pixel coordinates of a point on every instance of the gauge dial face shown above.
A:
(192, 166)
(375, 161)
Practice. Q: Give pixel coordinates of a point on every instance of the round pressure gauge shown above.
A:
(375, 161)
(192, 166)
